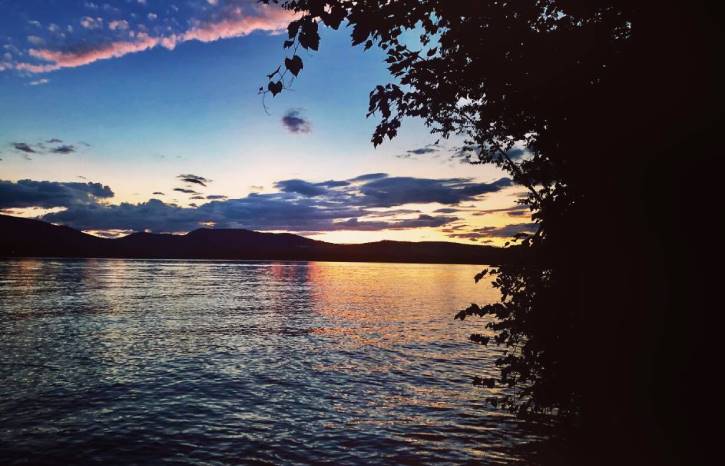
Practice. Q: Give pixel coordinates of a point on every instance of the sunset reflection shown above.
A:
(362, 302)
(264, 350)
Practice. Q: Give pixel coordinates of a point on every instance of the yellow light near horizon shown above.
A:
(352, 237)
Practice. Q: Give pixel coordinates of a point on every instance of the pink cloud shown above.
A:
(72, 59)
(120, 25)
(238, 25)
(274, 20)
(91, 23)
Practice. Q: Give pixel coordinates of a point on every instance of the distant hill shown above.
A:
(21, 237)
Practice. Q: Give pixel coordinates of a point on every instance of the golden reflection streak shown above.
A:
(346, 293)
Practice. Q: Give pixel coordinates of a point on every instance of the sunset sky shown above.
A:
(144, 115)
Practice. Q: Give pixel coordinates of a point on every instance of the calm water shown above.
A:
(195, 362)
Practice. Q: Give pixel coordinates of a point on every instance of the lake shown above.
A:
(211, 362)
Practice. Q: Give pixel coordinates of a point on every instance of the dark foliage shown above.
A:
(606, 95)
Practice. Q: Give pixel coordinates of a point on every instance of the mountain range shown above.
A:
(22, 237)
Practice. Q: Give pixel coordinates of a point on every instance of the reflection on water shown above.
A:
(128, 361)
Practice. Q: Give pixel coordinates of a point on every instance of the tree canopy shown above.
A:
(597, 91)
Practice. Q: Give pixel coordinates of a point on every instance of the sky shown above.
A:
(134, 115)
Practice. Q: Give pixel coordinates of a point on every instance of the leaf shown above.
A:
(480, 339)
(487, 382)
(294, 65)
(480, 275)
(292, 29)
(334, 18)
(359, 33)
(288, 43)
(275, 87)
(309, 38)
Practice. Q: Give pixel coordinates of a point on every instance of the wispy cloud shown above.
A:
(91, 23)
(185, 191)
(51, 146)
(506, 231)
(23, 147)
(118, 25)
(194, 179)
(63, 149)
(234, 23)
(425, 150)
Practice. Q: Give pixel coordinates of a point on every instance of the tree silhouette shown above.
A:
(598, 92)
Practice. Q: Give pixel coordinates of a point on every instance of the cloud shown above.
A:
(334, 183)
(295, 122)
(49, 194)
(301, 187)
(118, 25)
(513, 211)
(232, 22)
(369, 176)
(463, 154)
(35, 40)
(84, 55)
(258, 212)
(91, 23)
(425, 150)
(185, 191)
(471, 154)
(194, 179)
(370, 202)
(387, 192)
(23, 147)
(63, 149)
(158, 193)
(518, 213)
(507, 231)
(110, 233)
(42, 147)
(423, 221)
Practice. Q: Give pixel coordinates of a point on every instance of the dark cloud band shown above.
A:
(50, 194)
(368, 202)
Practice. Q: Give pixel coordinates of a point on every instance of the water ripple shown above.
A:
(204, 362)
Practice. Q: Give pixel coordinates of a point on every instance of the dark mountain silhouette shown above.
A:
(21, 237)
